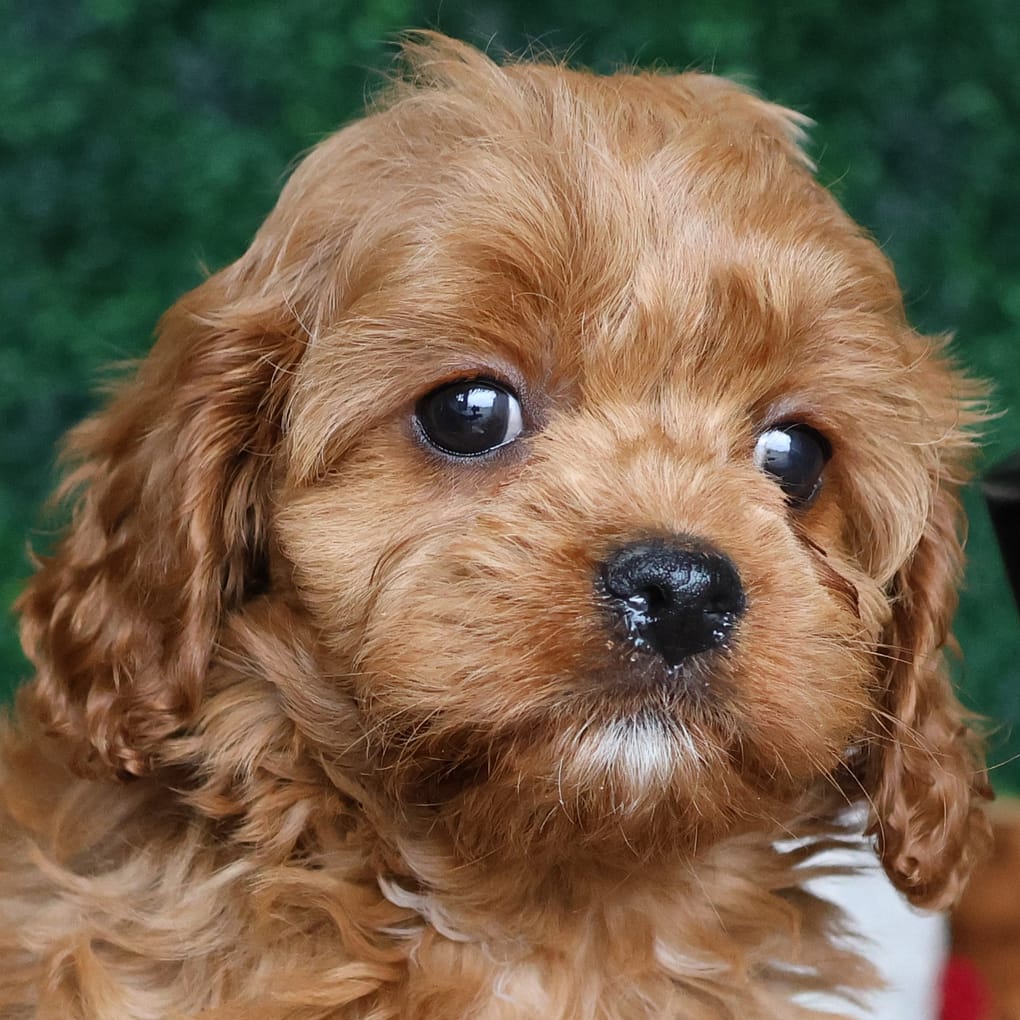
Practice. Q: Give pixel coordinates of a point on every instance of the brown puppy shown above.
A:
(550, 512)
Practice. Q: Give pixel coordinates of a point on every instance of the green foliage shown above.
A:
(141, 141)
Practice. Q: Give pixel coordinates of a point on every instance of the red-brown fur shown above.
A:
(326, 725)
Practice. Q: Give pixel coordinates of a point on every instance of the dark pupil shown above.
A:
(796, 458)
(466, 418)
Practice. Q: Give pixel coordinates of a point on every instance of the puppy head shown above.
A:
(588, 436)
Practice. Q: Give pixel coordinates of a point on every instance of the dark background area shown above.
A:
(142, 142)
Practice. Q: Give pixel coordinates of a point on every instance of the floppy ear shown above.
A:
(929, 776)
(168, 533)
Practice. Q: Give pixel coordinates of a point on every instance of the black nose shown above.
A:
(675, 597)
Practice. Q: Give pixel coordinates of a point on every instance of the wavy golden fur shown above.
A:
(327, 724)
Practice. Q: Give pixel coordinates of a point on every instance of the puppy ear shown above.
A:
(929, 776)
(168, 532)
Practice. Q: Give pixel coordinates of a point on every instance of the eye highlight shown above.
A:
(469, 418)
(795, 456)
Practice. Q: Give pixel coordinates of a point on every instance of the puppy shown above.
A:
(489, 595)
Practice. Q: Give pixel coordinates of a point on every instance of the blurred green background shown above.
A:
(142, 141)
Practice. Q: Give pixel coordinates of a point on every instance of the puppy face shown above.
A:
(655, 307)
(477, 625)
(587, 435)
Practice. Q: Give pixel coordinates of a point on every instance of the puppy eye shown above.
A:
(470, 418)
(795, 456)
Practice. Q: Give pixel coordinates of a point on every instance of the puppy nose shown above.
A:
(675, 597)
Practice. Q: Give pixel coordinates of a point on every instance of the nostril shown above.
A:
(726, 599)
(652, 599)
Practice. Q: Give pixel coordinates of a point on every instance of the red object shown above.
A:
(965, 995)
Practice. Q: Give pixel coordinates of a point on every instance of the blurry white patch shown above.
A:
(907, 946)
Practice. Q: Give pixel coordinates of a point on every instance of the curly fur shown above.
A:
(327, 726)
